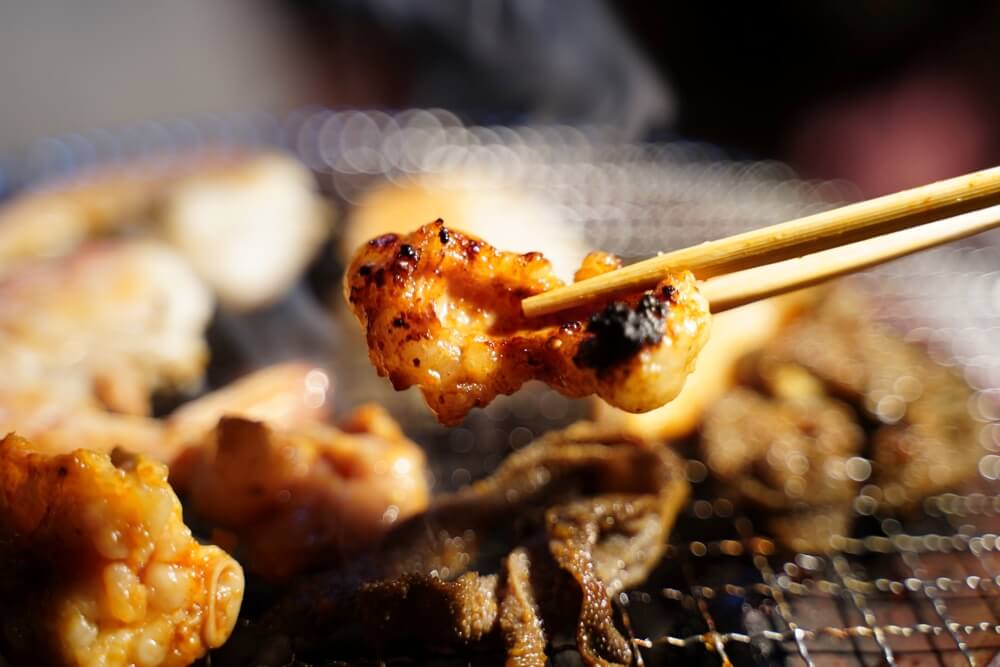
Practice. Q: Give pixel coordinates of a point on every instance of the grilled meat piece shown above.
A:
(247, 223)
(578, 515)
(442, 311)
(305, 495)
(834, 386)
(782, 454)
(923, 439)
(98, 568)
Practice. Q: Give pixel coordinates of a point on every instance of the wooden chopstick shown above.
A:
(824, 230)
(742, 287)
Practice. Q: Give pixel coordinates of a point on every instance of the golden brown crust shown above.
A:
(98, 567)
(442, 311)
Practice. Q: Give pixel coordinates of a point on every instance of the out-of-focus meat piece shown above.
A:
(782, 453)
(924, 439)
(58, 418)
(116, 320)
(309, 494)
(281, 396)
(442, 311)
(788, 457)
(248, 223)
(734, 334)
(99, 568)
(248, 230)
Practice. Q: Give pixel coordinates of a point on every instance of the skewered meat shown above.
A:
(591, 517)
(247, 223)
(98, 567)
(309, 494)
(442, 311)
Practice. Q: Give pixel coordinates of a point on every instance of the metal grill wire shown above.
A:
(918, 590)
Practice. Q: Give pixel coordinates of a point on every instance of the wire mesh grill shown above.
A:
(917, 589)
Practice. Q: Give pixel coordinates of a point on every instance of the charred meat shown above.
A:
(442, 311)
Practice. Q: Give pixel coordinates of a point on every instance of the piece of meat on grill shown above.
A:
(534, 549)
(923, 439)
(117, 321)
(97, 567)
(442, 311)
(295, 497)
(836, 401)
(248, 223)
(86, 340)
(787, 457)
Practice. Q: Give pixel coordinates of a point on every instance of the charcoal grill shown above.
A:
(916, 589)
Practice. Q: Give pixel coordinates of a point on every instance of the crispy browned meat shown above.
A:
(586, 515)
(308, 494)
(98, 568)
(441, 311)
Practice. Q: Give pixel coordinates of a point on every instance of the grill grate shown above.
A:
(905, 590)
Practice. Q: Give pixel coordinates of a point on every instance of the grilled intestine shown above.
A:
(310, 494)
(537, 548)
(98, 568)
(442, 311)
(836, 400)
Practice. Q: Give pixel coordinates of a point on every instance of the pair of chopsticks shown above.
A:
(782, 258)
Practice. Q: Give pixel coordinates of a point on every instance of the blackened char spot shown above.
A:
(444, 234)
(620, 332)
(406, 251)
(383, 241)
(669, 292)
(366, 269)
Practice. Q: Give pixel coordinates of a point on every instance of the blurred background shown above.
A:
(887, 94)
